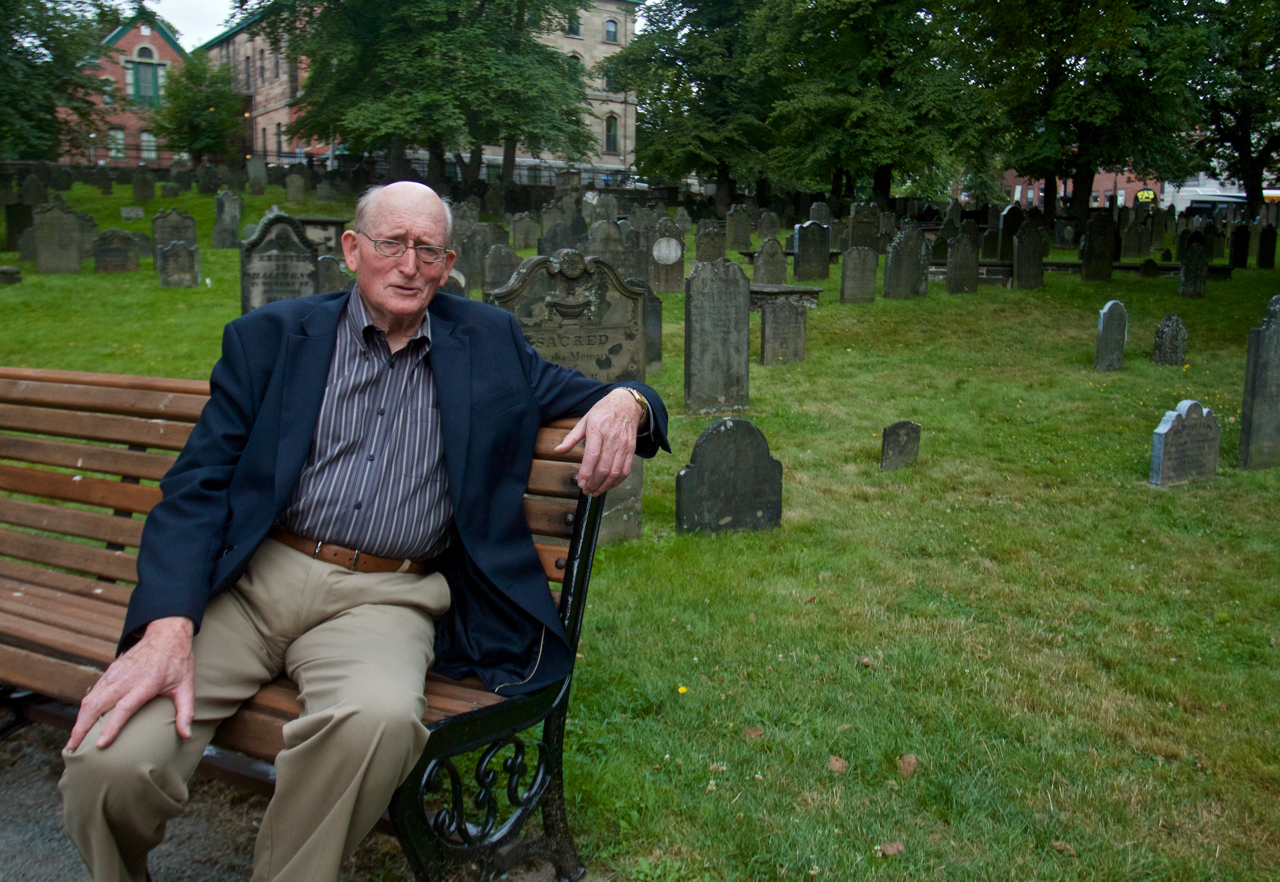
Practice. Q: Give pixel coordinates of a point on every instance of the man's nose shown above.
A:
(408, 262)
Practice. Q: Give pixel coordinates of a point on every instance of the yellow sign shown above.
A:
(1146, 195)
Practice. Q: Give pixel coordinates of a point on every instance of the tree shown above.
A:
(439, 74)
(1082, 87)
(48, 84)
(1241, 90)
(702, 112)
(201, 111)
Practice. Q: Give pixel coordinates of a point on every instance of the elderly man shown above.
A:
(346, 509)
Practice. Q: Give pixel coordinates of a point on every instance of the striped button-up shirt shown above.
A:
(374, 479)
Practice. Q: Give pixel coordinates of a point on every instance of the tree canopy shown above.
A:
(201, 111)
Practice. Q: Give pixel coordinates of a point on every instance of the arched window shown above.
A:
(611, 31)
(144, 52)
(610, 134)
(142, 78)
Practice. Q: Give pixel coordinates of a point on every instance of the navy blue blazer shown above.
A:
(246, 453)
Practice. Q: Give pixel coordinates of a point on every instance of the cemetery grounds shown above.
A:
(1014, 659)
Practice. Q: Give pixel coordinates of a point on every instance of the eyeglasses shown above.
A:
(392, 248)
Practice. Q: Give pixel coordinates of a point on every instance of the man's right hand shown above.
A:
(160, 663)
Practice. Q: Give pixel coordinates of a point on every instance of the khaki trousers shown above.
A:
(358, 646)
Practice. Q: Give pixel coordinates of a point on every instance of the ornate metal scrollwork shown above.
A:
(450, 824)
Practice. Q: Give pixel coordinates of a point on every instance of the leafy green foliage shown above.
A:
(48, 79)
(201, 111)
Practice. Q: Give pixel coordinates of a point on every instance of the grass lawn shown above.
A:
(1084, 667)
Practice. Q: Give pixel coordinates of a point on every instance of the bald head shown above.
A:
(403, 198)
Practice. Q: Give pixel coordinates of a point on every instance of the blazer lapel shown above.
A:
(451, 368)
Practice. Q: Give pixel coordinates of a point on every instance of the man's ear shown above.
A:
(351, 249)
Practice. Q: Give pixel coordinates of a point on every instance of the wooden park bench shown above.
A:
(80, 455)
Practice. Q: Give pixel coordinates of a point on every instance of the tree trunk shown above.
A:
(509, 162)
(396, 162)
(1050, 199)
(764, 192)
(1252, 181)
(724, 190)
(837, 184)
(1081, 190)
(469, 169)
(436, 158)
(882, 184)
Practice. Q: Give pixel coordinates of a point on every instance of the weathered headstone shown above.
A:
(906, 265)
(169, 190)
(555, 239)
(524, 231)
(820, 212)
(18, 218)
(938, 249)
(1131, 241)
(1193, 274)
(144, 186)
(683, 221)
(737, 229)
(295, 189)
(962, 266)
(173, 225)
(57, 240)
(991, 244)
(768, 226)
(731, 481)
(1113, 332)
(10, 275)
(709, 245)
(499, 264)
(324, 192)
(770, 264)
(578, 228)
(899, 445)
(1260, 412)
(1011, 221)
(1184, 447)
(34, 192)
(1266, 258)
(858, 275)
(717, 338)
(1028, 258)
(970, 230)
(607, 207)
(132, 212)
(864, 226)
(1171, 342)
(1097, 248)
(782, 332)
(88, 232)
(813, 251)
(27, 244)
(256, 167)
(278, 263)
(604, 240)
(115, 251)
(178, 265)
(839, 235)
(1239, 256)
(667, 273)
(331, 274)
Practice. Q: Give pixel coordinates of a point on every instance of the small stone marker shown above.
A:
(1193, 274)
(256, 166)
(278, 263)
(331, 273)
(226, 227)
(115, 251)
(858, 275)
(962, 266)
(731, 481)
(10, 275)
(1260, 412)
(1113, 331)
(683, 221)
(57, 240)
(813, 250)
(178, 265)
(1266, 258)
(770, 264)
(1028, 258)
(652, 326)
(524, 231)
(899, 445)
(782, 332)
(34, 192)
(1239, 255)
(906, 265)
(709, 245)
(295, 189)
(938, 249)
(144, 186)
(132, 212)
(1149, 269)
(324, 192)
(1171, 342)
(737, 229)
(170, 190)
(1097, 248)
(1185, 445)
(499, 264)
(717, 339)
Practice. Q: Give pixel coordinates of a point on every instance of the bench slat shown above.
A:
(162, 434)
(103, 399)
(80, 648)
(544, 447)
(71, 555)
(89, 457)
(547, 517)
(58, 679)
(95, 605)
(549, 555)
(554, 479)
(26, 574)
(37, 609)
(72, 521)
(114, 381)
(79, 488)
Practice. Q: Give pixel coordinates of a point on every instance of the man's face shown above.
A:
(398, 289)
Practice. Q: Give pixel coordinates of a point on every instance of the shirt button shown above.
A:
(358, 504)
(381, 411)
(370, 457)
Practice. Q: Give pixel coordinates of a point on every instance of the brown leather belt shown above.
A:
(355, 561)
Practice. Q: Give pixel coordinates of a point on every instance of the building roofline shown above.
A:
(227, 34)
(145, 15)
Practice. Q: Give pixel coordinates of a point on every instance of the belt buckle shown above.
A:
(355, 561)
(315, 555)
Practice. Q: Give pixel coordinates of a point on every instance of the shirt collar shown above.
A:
(359, 325)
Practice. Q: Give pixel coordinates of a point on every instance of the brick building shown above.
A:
(1027, 192)
(137, 59)
(272, 82)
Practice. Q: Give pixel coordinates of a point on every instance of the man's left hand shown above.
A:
(609, 435)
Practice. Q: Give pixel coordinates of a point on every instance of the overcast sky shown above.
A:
(198, 21)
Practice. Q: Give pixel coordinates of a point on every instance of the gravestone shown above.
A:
(56, 235)
(115, 251)
(295, 189)
(813, 251)
(173, 225)
(577, 311)
(1113, 332)
(1266, 258)
(1184, 447)
(17, 220)
(170, 190)
(10, 275)
(1131, 241)
(782, 332)
(737, 229)
(717, 338)
(1166, 256)
(1028, 258)
(667, 273)
(731, 481)
(858, 275)
(524, 231)
(899, 445)
(938, 249)
(969, 229)
(770, 264)
(247, 231)
(839, 235)
(1011, 221)
(683, 221)
(499, 264)
(1097, 248)
(607, 207)
(769, 226)
(954, 213)
(324, 192)
(864, 226)
(990, 244)
(331, 273)
(278, 263)
(820, 212)
(472, 250)
(708, 245)
(144, 186)
(1193, 274)
(34, 192)
(256, 167)
(27, 244)
(906, 265)
(228, 207)
(578, 228)
(652, 326)
(1171, 342)
(962, 266)
(604, 240)
(1239, 257)
(555, 239)
(88, 232)
(132, 212)
(178, 265)
(550, 216)
(1260, 412)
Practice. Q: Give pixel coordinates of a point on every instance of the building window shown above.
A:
(1093, 199)
(248, 73)
(108, 97)
(145, 30)
(146, 79)
(147, 143)
(534, 176)
(262, 66)
(279, 142)
(575, 25)
(115, 143)
(493, 174)
(276, 56)
(611, 31)
(263, 145)
(611, 134)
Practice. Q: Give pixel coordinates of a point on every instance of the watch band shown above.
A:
(643, 402)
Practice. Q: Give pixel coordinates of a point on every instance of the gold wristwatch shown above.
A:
(643, 402)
